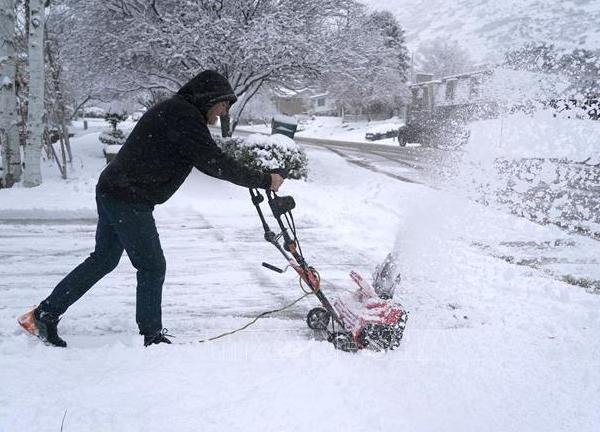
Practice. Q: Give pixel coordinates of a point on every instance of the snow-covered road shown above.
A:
(489, 345)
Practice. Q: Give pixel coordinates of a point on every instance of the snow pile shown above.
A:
(56, 199)
(537, 166)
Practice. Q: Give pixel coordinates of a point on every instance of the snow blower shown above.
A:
(364, 318)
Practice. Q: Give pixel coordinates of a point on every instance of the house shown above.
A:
(481, 93)
(93, 112)
(451, 95)
(307, 101)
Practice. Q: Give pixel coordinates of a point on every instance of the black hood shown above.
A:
(206, 89)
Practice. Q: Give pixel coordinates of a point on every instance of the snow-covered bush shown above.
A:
(113, 119)
(114, 136)
(267, 152)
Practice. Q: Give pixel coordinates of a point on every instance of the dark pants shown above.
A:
(121, 226)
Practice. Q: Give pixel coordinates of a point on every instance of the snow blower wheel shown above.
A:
(318, 318)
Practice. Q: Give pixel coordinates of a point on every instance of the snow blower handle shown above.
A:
(280, 205)
(272, 267)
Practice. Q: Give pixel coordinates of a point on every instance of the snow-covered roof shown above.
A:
(289, 92)
(285, 119)
(453, 77)
(303, 92)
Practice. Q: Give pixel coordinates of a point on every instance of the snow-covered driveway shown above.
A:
(489, 345)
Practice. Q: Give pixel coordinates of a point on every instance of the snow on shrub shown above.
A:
(267, 152)
(112, 137)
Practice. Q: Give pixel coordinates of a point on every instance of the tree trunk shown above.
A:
(35, 112)
(243, 99)
(9, 133)
(60, 115)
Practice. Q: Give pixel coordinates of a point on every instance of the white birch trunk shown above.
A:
(35, 112)
(9, 134)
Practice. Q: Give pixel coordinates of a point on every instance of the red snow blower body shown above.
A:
(358, 319)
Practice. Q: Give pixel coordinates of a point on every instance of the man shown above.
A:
(167, 142)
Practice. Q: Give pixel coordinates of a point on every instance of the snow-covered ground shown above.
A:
(489, 346)
(333, 128)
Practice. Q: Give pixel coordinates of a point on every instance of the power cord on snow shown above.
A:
(262, 315)
(292, 226)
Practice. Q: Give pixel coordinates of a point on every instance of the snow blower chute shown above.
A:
(364, 318)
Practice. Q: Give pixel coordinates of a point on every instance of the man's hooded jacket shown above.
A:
(169, 140)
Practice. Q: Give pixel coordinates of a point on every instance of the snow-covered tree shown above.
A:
(386, 25)
(35, 111)
(581, 66)
(9, 137)
(151, 97)
(442, 57)
(114, 136)
(58, 112)
(370, 68)
(147, 45)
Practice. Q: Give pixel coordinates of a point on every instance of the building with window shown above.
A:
(455, 94)
(306, 101)
(482, 93)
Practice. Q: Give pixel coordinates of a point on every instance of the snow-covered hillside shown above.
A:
(488, 27)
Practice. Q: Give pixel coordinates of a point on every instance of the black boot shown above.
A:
(47, 328)
(43, 325)
(156, 338)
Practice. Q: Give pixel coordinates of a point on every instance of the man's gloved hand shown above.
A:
(276, 181)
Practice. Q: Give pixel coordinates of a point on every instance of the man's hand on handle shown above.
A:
(276, 181)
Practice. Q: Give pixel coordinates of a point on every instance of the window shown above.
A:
(475, 90)
(415, 96)
(450, 89)
(321, 102)
(424, 103)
